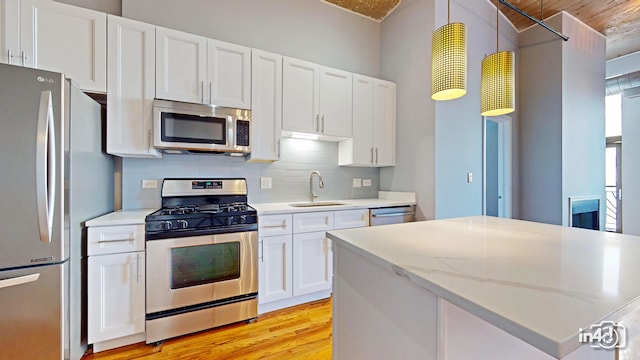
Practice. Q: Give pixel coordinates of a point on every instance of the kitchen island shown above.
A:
(483, 288)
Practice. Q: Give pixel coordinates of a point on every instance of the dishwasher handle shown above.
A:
(392, 214)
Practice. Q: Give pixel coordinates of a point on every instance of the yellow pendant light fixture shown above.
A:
(498, 80)
(449, 60)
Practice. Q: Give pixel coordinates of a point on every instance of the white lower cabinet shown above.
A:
(296, 260)
(312, 269)
(116, 286)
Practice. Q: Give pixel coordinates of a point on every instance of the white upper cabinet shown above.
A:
(130, 87)
(67, 39)
(195, 69)
(266, 105)
(335, 102)
(10, 32)
(300, 96)
(229, 74)
(316, 99)
(373, 141)
(181, 66)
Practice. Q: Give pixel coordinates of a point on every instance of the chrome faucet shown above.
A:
(312, 194)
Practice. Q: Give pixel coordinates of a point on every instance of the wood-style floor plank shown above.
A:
(300, 332)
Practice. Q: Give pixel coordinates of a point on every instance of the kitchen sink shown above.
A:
(317, 203)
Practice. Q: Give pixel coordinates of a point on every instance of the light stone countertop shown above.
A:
(385, 199)
(121, 217)
(540, 283)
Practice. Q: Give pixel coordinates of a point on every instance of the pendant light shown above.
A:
(449, 60)
(498, 80)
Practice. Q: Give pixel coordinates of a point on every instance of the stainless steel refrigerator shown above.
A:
(53, 177)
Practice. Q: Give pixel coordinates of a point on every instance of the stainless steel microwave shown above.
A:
(180, 127)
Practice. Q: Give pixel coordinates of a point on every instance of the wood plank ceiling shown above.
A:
(618, 20)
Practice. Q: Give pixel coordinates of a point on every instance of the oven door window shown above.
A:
(193, 129)
(204, 264)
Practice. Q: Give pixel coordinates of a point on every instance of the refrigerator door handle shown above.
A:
(19, 280)
(45, 166)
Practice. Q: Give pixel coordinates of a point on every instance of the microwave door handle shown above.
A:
(45, 166)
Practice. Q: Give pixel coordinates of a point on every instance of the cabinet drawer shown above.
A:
(115, 239)
(346, 219)
(315, 221)
(271, 225)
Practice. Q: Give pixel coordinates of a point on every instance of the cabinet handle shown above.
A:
(262, 251)
(210, 93)
(116, 241)
(376, 155)
(278, 148)
(24, 57)
(8, 56)
(149, 144)
(139, 275)
(372, 155)
(317, 122)
(323, 124)
(202, 91)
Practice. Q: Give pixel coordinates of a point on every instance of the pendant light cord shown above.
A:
(541, 13)
(449, 12)
(497, 25)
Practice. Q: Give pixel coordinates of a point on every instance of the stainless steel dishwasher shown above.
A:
(392, 215)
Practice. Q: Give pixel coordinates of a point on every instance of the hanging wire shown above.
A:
(497, 24)
(449, 12)
(541, 13)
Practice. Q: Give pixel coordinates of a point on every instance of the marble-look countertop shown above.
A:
(385, 199)
(121, 217)
(538, 282)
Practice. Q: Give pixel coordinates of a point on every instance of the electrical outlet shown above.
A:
(149, 184)
(265, 183)
(469, 177)
(366, 182)
(357, 182)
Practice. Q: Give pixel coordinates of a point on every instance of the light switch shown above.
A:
(265, 183)
(366, 182)
(469, 177)
(357, 182)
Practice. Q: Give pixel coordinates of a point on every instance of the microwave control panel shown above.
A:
(242, 133)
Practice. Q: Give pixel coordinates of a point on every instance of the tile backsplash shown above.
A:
(290, 175)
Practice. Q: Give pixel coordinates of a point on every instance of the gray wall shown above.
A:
(113, 7)
(306, 29)
(439, 142)
(562, 119)
(491, 168)
(290, 175)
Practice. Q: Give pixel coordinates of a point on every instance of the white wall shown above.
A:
(113, 7)
(631, 166)
(438, 142)
(306, 29)
(562, 118)
(583, 120)
(406, 53)
(623, 65)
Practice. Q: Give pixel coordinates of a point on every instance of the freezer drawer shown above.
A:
(392, 215)
(33, 311)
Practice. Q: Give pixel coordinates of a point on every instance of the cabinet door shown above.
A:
(229, 72)
(275, 270)
(335, 102)
(347, 219)
(130, 87)
(67, 39)
(10, 32)
(300, 96)
(181, 65)
(115, 296)
(384, 119)
(266, 105)
(278, 224)
(312, 263)
(363, 149)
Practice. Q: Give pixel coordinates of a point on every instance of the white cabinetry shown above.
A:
(266, 105)
(130, 87)
(316, 100)
(116, 286)
(296, 260)
(10, 32)
(63, 38)
(275, 256)
(374, 108)
(195, 69)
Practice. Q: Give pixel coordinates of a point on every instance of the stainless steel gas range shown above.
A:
(202, 258)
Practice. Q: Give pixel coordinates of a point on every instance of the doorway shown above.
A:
(496, 179)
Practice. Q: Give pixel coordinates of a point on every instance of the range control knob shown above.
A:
(230, 220)
(167, 225)
(243, 219)
(183, 224)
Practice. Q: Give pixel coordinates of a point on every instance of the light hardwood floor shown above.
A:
(301, 332)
